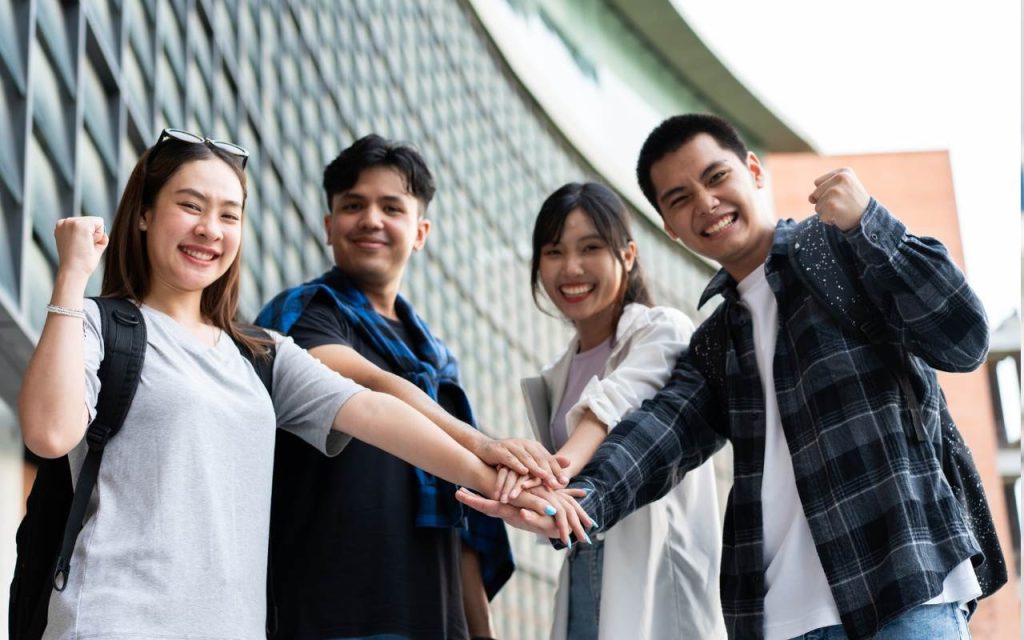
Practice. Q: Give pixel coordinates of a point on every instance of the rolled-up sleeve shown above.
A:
(650, 355)
(652, 448)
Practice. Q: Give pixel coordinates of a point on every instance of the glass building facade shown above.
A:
(86, 86)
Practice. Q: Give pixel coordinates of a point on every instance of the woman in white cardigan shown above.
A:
(655, 574)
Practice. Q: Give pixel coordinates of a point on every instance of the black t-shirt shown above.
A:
(348, 559)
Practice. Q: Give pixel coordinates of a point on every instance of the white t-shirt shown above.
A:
(797, 597)
(175, 537)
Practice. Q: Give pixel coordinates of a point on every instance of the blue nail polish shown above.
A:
(550, 510)
(587, 538)
(569, 543)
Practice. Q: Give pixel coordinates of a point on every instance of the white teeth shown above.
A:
(577, 290)
(199, 255)
(718, 226)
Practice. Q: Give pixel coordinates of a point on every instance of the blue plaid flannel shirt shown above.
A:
(885, 524)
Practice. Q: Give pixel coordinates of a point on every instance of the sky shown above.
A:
(897, 75)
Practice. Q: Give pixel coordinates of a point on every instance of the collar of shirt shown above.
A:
(725, 285)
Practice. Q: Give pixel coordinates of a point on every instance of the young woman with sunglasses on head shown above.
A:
(174, 543)
(655, 574)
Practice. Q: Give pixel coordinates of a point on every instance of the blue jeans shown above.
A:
(585, 563)
(934, 622)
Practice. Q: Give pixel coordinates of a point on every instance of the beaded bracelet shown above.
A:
(65, 311)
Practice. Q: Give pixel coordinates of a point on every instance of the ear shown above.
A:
(668, 229)
(755, 168)
(422, 231)
(629, 256)
(143, 223)
(327, 227)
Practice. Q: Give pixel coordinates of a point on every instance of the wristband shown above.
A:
(65, 311)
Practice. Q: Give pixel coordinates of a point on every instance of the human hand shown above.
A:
(80, 244)
(524, 457)
(510, 484)
(568, 517)
(524, 519)
(840, 199)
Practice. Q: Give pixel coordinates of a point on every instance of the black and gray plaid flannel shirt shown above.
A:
(886, 526)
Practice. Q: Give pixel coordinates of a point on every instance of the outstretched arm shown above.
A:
(388, 423)
(522, 456)
(643, 457)
(651, 450)
(650, 356)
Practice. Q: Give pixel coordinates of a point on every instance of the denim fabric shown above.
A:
(935, 622)
(586, 562)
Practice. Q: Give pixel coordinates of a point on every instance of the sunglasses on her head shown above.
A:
(229, 148)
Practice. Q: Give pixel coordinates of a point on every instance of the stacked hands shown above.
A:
(530, 492)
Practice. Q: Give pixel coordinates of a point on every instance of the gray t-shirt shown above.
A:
(175, 538)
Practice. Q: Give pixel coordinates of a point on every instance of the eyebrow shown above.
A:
(703, 176)
(201, 196)
(586, 238)
(358, 196)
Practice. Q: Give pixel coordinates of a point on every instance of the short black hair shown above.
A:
(375, 151)
(676, 131)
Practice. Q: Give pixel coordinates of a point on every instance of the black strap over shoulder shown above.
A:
(262, 362)
(827, 270)
(124, 349)
(824, 265)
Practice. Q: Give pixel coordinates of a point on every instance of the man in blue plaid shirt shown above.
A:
(840, 524)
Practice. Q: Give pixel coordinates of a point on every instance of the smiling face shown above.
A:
(194, 228)
(580, 273)
(374, 227)
(708, 200)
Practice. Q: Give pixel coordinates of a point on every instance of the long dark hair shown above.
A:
(608, 213)
(126, 268)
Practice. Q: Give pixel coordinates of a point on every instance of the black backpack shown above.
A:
(816, 248)
(826, 267)
(46, 537)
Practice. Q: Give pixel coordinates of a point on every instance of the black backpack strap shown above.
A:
(827, 270)
(124, 349)
(710, 345)
(263, 363)
(825, 266)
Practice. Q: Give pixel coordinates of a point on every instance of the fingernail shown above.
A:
(550, 510)
(595, 525)
(569, 543)
(587, 538)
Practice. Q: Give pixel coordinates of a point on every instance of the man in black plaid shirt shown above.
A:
(840, 524)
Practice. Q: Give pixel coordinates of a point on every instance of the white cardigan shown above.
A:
(661, 563)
